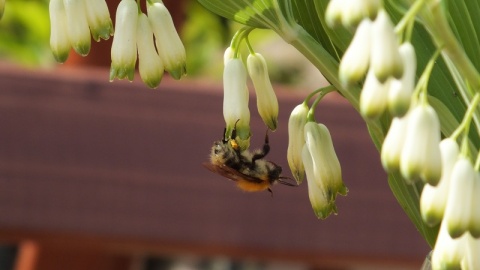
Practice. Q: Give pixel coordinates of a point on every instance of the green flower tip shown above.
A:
(82, 48)
(103, 33)
(325, 211)
(122, 73)
(178, 72)
(60, 57)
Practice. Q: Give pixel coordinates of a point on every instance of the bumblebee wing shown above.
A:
(230, 173)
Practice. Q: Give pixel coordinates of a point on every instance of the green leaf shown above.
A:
(254, 13)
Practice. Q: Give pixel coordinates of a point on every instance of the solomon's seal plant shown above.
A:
(396, 62)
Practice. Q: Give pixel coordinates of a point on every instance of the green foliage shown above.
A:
(25, 33)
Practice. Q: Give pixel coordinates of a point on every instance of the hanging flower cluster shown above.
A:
(73, 20)
(311, 152)
(413, 146)
(136, 32)
(236, 95)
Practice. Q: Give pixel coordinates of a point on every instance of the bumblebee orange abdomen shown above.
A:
(252, 186)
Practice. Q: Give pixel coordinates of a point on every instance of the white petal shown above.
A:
(385, 56)
(149, 64)
(448, 253)
(98, 18)
(267, 103)
(459, 207)
(235, 98)
(59, 41)
(421, 154)
(169, 46)
(296, 140)
(321, 204)
(356, 59)
(400, 93)
(124, 46)
(326, 167)
(77, 26)
(393, 144)
(434, 198)
(374, 97)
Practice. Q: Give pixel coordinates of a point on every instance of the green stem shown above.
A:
(326, 89)
(321, 93)
(238, 37)
(406, 23)
(436, 22)
(467, 118)
(421, 90)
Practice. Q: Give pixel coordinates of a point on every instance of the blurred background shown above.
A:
(99, 175)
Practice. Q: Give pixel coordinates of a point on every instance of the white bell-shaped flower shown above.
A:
(421, 157)
(59, 42)
(459, 208)
(434, 198)
(356, 59)
(385, 59)
(235, 101)
(124, 46)
(448, 253)
(392, 147)
(296, 141)
(374, 96)
(322, 205)
(354, 11)
(150, 65)
(400, 93)
(326, 166)
(98, 19)
(169, 46)
(77, 26)
(267, 103)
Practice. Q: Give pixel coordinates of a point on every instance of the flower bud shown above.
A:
(421, 152)
(356, 58)
(296, 141)
(235, 101)
(333, 13)
(59, 42)
(124, 46)
(169, 46)
(434, 198)
(400, 93)
(77, 26)
(98, 19)
(374, 96)
(385, 56)
(326, 167)
(318, 195)
(459, 208)
(354, 11)
(448, 253)
(267, 103)
(393, 144)
(149, 64)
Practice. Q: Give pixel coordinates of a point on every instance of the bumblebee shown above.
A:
(248, 169)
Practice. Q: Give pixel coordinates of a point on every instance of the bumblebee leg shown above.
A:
(264, 151)
(271, 192)
(225, 140)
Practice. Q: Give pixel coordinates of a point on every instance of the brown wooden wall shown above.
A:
(108, 171)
